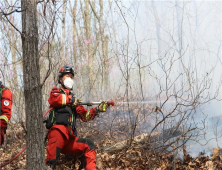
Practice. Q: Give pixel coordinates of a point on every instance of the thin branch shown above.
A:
(16, 10)
(93, 10)
(13, 25)
(39, 1)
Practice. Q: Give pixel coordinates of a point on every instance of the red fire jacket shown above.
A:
(6, 107)
(61, 97)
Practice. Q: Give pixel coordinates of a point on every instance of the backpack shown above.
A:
(61, 116)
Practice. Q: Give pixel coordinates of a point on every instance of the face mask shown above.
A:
(68, 83)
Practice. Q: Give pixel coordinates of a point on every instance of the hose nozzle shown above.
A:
(112, 103)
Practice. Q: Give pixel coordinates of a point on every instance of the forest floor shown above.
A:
(130, 159)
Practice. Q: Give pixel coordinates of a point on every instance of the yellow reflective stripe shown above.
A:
(87, 115)
(104, 107)
(4, 118)
(63, 99)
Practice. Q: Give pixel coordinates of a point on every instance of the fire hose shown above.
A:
(82, 103)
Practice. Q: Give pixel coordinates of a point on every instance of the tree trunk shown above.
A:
(63, 51)
(88, 44)
(104, 40)
(158, 33)
(32, 87)
(179, 14)
(74, 43)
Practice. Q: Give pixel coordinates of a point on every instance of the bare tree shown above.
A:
(32, 86)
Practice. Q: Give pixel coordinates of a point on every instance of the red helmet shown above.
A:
(65, 69)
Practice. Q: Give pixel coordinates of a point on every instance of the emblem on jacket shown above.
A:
(6, 103)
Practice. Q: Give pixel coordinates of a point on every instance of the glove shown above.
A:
(102, 107)
(76, 102)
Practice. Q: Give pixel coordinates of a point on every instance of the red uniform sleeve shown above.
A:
(85, 115)
(6, 107)
(57, 99)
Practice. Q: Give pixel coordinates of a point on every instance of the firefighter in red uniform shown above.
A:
(61, 123)
(5, 111)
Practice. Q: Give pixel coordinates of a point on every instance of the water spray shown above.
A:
(137, 102)
(134, 102)
(112, 103)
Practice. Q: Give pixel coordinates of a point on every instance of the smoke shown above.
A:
(119, 121)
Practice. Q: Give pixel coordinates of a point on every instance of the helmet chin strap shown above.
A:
(62, 84)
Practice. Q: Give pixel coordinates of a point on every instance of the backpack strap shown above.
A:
(61, 90)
